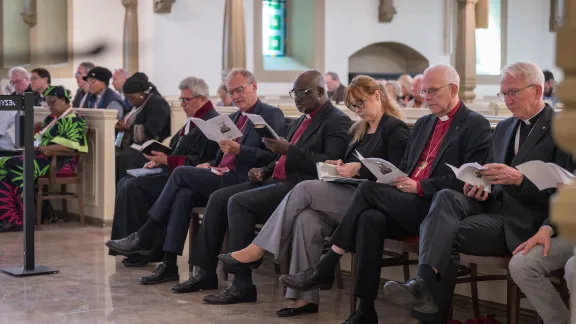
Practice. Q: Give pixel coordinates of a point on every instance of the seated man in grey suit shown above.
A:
(191, 186)
(475, 222)
(319, 135)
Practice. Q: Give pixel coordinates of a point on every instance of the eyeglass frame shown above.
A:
(358, 105)
(239, 89)
(301, 94)
(187, 100)
(513, 92)
(431, 91)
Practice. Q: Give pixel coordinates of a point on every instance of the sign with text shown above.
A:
(11, 102)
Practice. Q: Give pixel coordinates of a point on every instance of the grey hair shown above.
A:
(529, 71)
(19, 70)
(121, 70)
(450, 74)
(396, 86)
(333, 75)
(243, 72)
(198, 86)
(406, 81)
(87, 65)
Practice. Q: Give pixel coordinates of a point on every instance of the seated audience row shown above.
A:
(256, 180)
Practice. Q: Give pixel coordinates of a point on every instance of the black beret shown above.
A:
(99, 73)
(136, 83)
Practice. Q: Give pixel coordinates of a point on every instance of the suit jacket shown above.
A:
(338, 95)
(388, 143)
(78, 98)
(325, 138)
(37, 97)
(468, 139)
(195, 147)
(253, 152)
(525, 208)
(152, 122)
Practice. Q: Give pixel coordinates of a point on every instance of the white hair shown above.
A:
(121, 71)
(529, 71)
(451, 76)
(18, 70)
(198, 86)
(395, 86)
(245, 73)
(417, 77)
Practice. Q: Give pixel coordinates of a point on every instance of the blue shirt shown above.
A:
(7, 130)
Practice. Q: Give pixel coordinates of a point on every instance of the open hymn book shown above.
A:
(545, 175)
(218, 128)
(383, 170)
(327, 172)
(470, 173)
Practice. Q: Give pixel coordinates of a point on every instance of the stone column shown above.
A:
(564, 204)
(465, 53)
(482, 13)
(234, 36)
(130, 40)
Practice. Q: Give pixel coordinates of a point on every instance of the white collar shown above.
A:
(527, 121)
(308, 116)
(444, 118)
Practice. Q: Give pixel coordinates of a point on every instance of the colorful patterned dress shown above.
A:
(69, 131)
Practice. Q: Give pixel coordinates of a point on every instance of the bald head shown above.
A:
(440, 84)
(309, 91)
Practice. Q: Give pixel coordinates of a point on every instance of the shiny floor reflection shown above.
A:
(93, 287)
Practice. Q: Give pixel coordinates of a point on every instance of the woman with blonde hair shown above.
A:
(405, 83)
(313, 209)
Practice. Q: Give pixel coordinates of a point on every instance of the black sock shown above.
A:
(427, 273)
(207, 273)
(366, 305)
(170, 259)
(147, 231)
(243, 279)
(328, 263)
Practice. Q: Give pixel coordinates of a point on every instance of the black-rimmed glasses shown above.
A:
(431, 91)
(511, 93)
(187, 100)
(358, 105)
(299, 93)
(239, 90)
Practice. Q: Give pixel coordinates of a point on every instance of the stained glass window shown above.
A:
(274, 28)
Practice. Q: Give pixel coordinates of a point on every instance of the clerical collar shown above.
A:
(534, 119)
(314, 113)
(450, 114)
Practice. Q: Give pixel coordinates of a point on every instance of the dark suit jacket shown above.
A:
(468, 140)
(153, 120)
(524, 207)
(253, 152)
(388, 143)
(78, 98)
(37, 96)
(325, 138)
(195, 146)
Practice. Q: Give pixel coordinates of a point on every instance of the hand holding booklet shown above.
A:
(383, 170)
(152, 145)
(144, 172)
(261, 127)
(218, 128)
(470, 173)
(327, 172)
(545, 175)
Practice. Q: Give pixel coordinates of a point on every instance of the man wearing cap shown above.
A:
(102, 97)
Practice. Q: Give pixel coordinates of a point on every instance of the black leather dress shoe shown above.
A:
(359, 317)
(195, 283)
(229, 260)
(306, 309)
(128, 246)
(232, 295)
(413, 293)
(308, 279)
(161, 274)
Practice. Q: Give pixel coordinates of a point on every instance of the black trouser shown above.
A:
(188, 187)
(237, 209)
(457, 224)
(377, 212)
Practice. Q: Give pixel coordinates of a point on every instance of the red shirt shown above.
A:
(424, 164)
(229, 159)
(175, 161)
(280, 167)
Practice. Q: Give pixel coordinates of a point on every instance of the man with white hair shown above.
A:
(20, 80)
(118, 79)
(417, 100)
(500, 223)
(452, 134)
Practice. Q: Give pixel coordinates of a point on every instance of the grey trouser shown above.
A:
(307, 215)
(529, 271)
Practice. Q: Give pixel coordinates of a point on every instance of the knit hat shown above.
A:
(99, 73)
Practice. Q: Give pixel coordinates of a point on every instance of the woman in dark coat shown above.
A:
(149, 119)
(135, 196)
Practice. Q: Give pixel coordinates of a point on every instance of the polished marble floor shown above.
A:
(93, 287)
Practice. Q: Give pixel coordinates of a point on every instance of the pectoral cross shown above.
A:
(421, 167)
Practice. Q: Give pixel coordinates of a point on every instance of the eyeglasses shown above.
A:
(15, 82)
(299, 93)
(358, 105)
(187, 100)
(239, 90)
(512, 93)
(431, 91)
